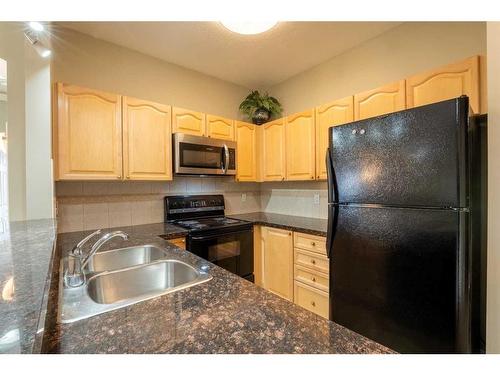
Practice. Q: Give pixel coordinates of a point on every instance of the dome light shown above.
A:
(37, 26)
(249, 27)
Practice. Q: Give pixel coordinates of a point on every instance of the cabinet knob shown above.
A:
(128, 177)
(282, 178)
(313, 303)
(313, 279)
(312, 177)
(313, 243)
(313, 261)
(119, 177)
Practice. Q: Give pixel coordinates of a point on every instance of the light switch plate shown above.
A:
(243, 197)
(316, 198)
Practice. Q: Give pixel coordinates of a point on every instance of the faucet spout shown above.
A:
(74, 275)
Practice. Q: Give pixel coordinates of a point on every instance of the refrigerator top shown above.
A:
(416, 157)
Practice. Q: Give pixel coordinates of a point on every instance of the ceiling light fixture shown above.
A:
(37, 26)
(249, 27)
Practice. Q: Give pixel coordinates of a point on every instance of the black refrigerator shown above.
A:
(406, 228)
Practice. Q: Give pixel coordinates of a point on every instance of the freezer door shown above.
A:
(415, 157)
(399, 277)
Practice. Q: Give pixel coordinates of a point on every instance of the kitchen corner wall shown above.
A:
(91, 205)
(295, 198)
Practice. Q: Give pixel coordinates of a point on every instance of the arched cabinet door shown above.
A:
(147, 140)
(273, 151)
(246, 154)
(338, 112)
(220, 127)
(188, 122)
(87, 134)
(447, 82)
(300, 146)
(379, 101)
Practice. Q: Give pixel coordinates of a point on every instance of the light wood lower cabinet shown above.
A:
(179, 242)
(87, 134)
(300, 146)
(277, 250)
(306, 282)
(311, 299)
(147, 140)
(311, 273)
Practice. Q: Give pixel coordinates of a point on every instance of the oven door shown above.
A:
(203, 156)
(232, 251)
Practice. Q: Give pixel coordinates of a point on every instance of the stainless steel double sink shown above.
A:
(122, 277)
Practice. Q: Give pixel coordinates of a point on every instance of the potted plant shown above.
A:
(260, 108)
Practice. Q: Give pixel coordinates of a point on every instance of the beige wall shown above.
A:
(12, 50)
(82, 60)
(403, 51)
(493, 283)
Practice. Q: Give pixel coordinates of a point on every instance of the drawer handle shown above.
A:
(313, 279)
(313, 303)
(313, 243)
(313, 261)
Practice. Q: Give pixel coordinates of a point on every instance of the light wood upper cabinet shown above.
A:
(273, 151)
(300, 150)
(246, 155)
(87, 134)
(379, 101)
(147, 142)
(277, 249)
(220, 128)
(444, 83)
(188, 122)
(335, 113)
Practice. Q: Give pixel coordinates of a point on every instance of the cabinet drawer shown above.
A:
(311, 299)
(310, 242)
(179, 242)
(315, 279)
(312, 260)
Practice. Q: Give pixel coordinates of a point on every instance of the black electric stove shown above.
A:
(221, 240)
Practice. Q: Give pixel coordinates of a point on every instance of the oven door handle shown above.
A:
(201, 238)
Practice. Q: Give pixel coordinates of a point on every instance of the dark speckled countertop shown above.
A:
(289, 222)
(26, 251)
(224, 315)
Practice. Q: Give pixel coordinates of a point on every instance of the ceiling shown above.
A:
(253, 61)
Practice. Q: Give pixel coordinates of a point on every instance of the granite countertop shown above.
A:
(26, 253)
(302, 224)
(224, 315)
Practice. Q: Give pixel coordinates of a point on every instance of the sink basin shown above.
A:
(151, 279)
(123, 258)
(110, 290)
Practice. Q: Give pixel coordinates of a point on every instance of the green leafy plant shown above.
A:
(255, 101)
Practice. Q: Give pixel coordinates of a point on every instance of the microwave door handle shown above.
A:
(225, 165)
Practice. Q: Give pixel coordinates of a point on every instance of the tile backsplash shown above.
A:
(91, 205)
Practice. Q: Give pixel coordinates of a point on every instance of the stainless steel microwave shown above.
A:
(195, 155)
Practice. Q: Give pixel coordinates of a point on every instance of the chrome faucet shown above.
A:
(74, 275)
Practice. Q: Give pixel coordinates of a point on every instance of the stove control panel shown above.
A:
(186, 206)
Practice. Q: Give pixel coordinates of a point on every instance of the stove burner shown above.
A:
(206, 223)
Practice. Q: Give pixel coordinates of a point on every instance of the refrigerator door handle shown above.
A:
(333, 213)
(331, 180)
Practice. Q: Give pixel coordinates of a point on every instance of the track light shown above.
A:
(32, 37)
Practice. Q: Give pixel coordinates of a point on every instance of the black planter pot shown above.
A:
(261, 116)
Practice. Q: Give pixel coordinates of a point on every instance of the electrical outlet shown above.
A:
(243, 197)
(316, 198)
